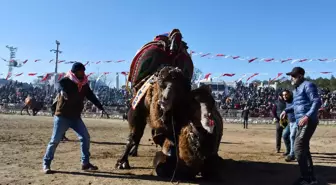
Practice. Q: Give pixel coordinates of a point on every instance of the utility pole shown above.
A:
(117, 80)
(56, 62)
(11, 63)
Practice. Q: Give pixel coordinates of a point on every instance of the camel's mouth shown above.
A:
(206, 121)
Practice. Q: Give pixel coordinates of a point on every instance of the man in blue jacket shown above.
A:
(305, 106)
(290, 130)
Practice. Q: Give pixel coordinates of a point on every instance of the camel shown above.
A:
(198, 141)
(31, 103)
(160, 105)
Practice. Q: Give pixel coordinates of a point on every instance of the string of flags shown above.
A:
(259, 59)
(206, 76)
(45, 76)
(64, 61)
(252, 75)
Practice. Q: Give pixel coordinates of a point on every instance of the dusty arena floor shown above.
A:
(249, 156)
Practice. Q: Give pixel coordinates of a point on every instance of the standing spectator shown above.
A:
(305, 106)
(278, 107)
(245, 115)
(290, 130)
(74, 88)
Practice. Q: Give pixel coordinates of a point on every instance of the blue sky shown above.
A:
(113, 30)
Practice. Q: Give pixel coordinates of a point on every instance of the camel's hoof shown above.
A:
(122, 165)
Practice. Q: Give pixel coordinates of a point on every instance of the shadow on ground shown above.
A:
(236, 173)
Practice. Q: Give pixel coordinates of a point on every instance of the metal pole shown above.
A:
(56, 62)
(57, 51)
(13, 51)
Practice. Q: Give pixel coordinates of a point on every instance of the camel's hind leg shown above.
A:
(25, 107)
(137, 124)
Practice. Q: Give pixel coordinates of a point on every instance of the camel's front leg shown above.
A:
(137, 123)
(25, 107)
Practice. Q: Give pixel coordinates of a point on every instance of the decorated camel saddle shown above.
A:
(164, 50)
(29, 101)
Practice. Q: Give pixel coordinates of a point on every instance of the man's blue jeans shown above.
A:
(293, 131)
(61, 125)
(289, 137)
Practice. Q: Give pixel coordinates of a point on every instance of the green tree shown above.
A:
(332, 83)
(197, 74)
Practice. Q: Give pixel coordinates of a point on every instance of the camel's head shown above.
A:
(170, 81)
(202, 104)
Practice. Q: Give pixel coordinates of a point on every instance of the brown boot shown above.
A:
(89, 167)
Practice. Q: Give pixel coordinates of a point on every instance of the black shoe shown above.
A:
(46, 169)
(89, 166)
(289, 158)
(302, 181)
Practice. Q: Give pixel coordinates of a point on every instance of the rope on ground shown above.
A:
(176, 153)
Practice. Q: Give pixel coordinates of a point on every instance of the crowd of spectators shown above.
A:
(258, 100)
(14, 92)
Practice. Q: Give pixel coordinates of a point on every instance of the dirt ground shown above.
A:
(249, 155)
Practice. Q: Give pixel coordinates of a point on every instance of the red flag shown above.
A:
(61, 61)
(25, 61)
(108, 61)
(98, 62)
(89, 74)
(322, 60)
(228, 74)
(207, 76)
(86, 63)
(220, 55)
(8, 76)
(60, 76)
(235, 57)
(279, 74)
(45, 77)
(204, 55)
(124, 73)
(253, 59)
(255, 74)
(282, 61)
(105, 73)
(191, 51)
(37, 60)
(269, 60)
(303, 60)
(51, 60)
(19, 74)
(120, 61)
(326, 72)
(32, 74)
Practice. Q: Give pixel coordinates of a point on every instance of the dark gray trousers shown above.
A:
(301, 149)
